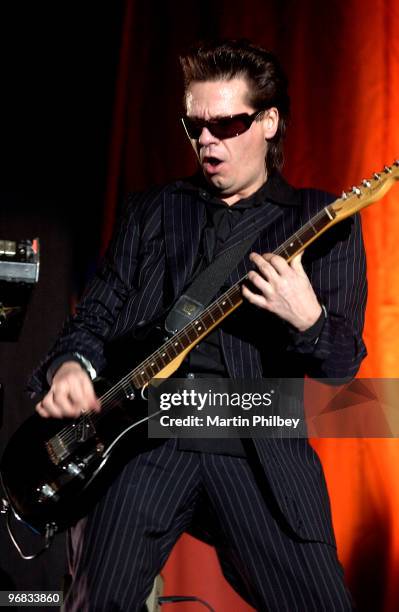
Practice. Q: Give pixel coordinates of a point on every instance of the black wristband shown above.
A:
(310, 336)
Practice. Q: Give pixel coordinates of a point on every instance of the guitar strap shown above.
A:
(206, 286)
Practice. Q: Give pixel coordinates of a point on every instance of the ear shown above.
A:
(270, 122)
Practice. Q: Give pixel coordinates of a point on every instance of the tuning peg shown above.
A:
(366, 183)
(344, 195)
(356, 191)
(376, 176)
(396, 162)
(387, 169)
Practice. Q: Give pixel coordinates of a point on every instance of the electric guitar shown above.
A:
(50, 467)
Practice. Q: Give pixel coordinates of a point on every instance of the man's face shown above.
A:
(235, 167)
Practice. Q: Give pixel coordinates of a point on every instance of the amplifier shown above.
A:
(19, 272)
(19, 261)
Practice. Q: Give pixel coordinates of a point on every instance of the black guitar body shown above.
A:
(53, 470)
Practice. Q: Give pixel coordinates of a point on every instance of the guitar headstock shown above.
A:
(369, 191)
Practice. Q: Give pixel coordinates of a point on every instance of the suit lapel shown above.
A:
(184, 217)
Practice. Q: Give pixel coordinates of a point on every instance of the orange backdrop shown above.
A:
(342, 59)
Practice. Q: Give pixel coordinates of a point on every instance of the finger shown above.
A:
(296, 263)
(89, 397)
(41, 410)
(265, 268)
(254, 298)
(278, 263)
(48, 408)
(62, 401)
(264, 286)
(74, 394)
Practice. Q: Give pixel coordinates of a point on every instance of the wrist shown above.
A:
(311, 320)
(67, 366)
(70, 358)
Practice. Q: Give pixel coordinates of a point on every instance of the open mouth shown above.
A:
(211, 163)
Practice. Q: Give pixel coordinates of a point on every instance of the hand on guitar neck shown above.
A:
(70, 394)
(284, 289)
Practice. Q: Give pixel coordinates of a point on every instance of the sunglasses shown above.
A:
(224, 127)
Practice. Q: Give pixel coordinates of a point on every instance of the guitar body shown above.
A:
(53, 469)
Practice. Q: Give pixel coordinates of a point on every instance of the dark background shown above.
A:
(58, 67)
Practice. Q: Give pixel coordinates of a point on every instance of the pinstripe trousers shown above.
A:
(118, 549)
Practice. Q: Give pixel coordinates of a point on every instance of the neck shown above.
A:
(245, 193)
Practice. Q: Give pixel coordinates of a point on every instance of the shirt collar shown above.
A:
(276, 189)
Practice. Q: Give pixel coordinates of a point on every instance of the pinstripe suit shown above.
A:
(148, 263)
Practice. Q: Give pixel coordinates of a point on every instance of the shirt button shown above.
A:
(204, 195)
(190, 375)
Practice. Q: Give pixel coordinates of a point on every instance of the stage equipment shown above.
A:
(19, 272)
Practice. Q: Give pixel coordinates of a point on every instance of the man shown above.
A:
(263, 503)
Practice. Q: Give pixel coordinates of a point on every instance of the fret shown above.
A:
(298, 239)
(219, 304)
(153, 367)
(207, 319)
(183, 341)
(146, 375)
(194, 327)
(211, 315)
(236, 296)
(172, 348)
(312, 227)
(161, 357)
(190, 334)
(138, 381)
(199, 327)
(176, 345)
(229, 300)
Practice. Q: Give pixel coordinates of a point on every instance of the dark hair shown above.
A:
(267, 83)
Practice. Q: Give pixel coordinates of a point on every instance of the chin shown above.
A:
(218, 183)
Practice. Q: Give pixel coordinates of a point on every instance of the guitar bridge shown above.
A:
(60, 446)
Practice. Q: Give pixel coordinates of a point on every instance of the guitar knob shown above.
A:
(396, 162)
(376, 176)
(387, 169)
(356, 191)
(344, 195)
(366, 183)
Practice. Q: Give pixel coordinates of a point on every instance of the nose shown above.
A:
(206, 137)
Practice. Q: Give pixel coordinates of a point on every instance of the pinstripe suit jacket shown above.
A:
(147, 265)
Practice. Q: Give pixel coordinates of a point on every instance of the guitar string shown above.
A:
(69, 432)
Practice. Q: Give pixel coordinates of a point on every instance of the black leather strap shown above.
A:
(205, 286)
